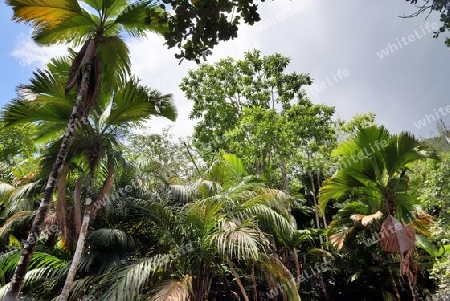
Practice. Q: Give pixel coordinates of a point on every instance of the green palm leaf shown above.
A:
(241, 241)
(19, 220)
(115, 59)
(336, 188)
(134, 102)
(112, 239)
(110, 8)
(48, 13)
(75, 30)
(126, 283)
(143, 16)
(23, 111)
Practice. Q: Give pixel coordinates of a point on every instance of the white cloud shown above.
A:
(320, 37)
(29, 54)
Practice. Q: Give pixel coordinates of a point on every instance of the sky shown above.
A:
(362, 56)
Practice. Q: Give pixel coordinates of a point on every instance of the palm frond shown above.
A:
(108, 7)
(366, 219)
(270, 221)
(401, 151)
(227, 171)
(36, 277)
(116, 66)
(282, 276)
(241, 241)
(273, 198)
(21, 219)
(142, 17)
(336, 188)
(134, 103)
(39, 260)
(173, 290)
(125, 283)
(182, 193)
(83, 287)
(337, 239)
(423, 223)
(48, 13)
(5, 188)
(396, 237)
(112, 239)
(75, 30)
(21, 111)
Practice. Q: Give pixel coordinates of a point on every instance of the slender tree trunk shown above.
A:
(316, 210)
(284, 176)
(61, 203)
(89, 214)
(76, 258)
(277, 257)
(394, 285)
(238, 281)
(28, 248)
(201, 285)
(298, 268)
(76, 225)
(255, 285)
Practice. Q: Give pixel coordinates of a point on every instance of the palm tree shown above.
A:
(103, 58)
(97, 136)
(132, 104)
(372, 171)
(222, 225)
(228, 220)
(206, 235)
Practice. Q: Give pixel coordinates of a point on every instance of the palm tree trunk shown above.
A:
(316, 210)
(61, 203)
(201, 285)
(298, 268)
(277, 257)
(316, 207)
(255, 285)
(28, 248)
(76, 225)
(89, 213)
(76, 258)
(238, 281)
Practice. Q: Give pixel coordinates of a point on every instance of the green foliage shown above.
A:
(432, 180)
(220, 92)
(16, 143)
(374, 163)
(196, 26)
(253, 108)
(441, 7)
(162, 159)
(189, 25)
